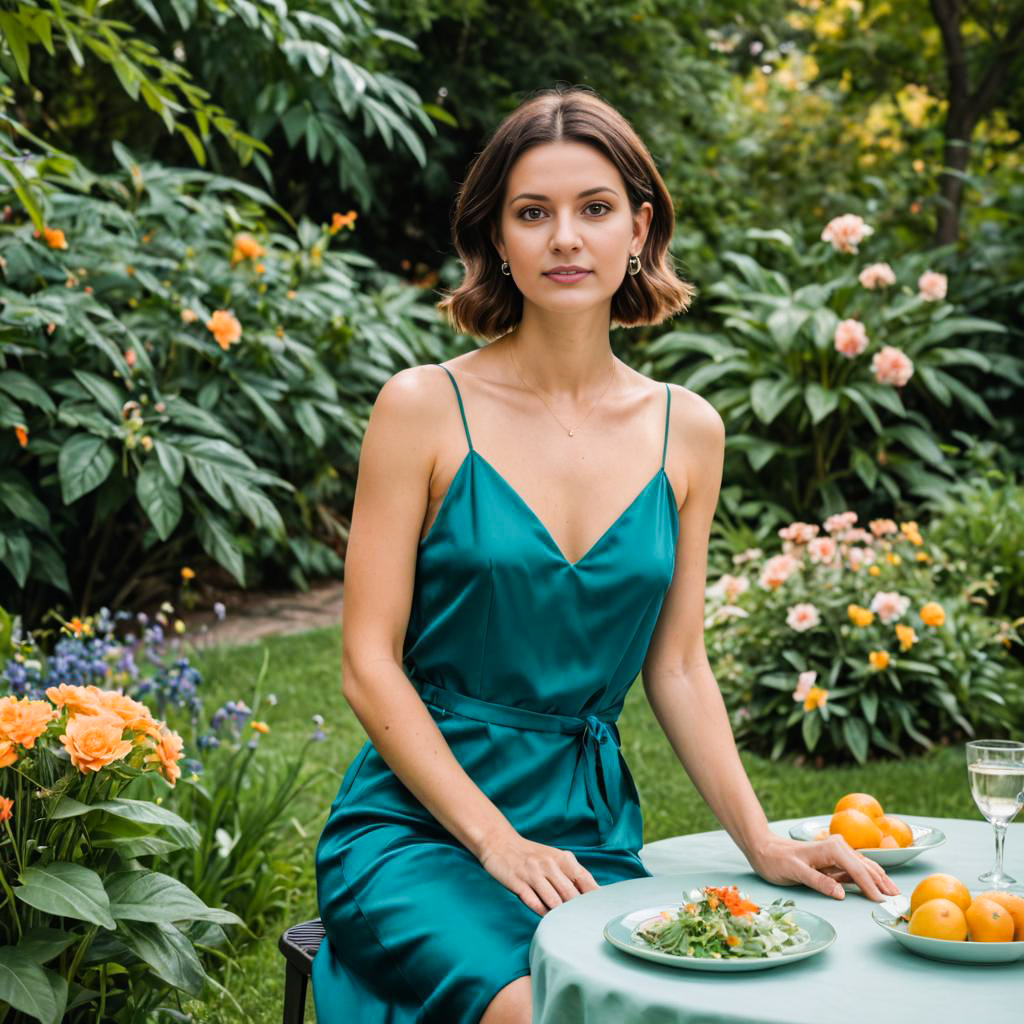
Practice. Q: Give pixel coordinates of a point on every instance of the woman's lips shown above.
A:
(568, 278)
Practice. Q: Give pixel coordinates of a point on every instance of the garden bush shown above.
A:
(826, 374)
(179, 369)
(851, 642)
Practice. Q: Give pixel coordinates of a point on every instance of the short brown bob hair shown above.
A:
(487, 303)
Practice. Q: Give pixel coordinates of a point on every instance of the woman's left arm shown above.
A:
(686, 699)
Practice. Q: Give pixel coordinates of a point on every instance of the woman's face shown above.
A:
(565, 204)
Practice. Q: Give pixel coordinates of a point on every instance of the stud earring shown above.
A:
(505, 269)
(634, 265)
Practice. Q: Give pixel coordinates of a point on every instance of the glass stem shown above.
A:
(1000, 837)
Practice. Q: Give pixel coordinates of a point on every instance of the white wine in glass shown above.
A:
(996, 772)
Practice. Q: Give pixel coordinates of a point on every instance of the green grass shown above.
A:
(305, 675)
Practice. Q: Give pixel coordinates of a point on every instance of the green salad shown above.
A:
(719, 922)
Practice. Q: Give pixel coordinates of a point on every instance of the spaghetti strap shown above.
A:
(462, 410)
(668, 406)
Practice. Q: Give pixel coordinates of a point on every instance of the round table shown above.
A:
(580, 978)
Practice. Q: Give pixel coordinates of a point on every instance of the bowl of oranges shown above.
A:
(944, 920)
(860, 819)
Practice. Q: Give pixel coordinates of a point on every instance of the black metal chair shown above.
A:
(299, 945)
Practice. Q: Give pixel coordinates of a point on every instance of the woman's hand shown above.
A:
(543, 877)
(821, 865)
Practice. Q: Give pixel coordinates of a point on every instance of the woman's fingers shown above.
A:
(868, 875)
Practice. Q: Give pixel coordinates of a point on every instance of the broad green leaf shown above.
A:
(102, 390)
(783, 324)
(170, 956)
(306, 417)
(143, 812)
(84, 463)
(42, 944)
(918, 441)
(855, 734)
(869, 706)
(159, 498)
(769, 396)
(820, 401)
(18, 556)
(29, 988)
(21, 386)
(172, 462)
(811, 729)
(151, 896)
(17, 496)
(69, 890)
(219, 544)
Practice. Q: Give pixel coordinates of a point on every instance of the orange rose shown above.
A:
(76, 699)
(94, 741)
(24, 721)
(933, 614)
(5, 808)
(246, 248)
(169, 751)
(130, 713)
(879, 659)
(8, 753)
(224, 327)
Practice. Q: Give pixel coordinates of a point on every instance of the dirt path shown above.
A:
(250, 616)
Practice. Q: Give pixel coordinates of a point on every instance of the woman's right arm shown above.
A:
(413, 409)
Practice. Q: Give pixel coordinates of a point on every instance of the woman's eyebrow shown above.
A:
(586, 192)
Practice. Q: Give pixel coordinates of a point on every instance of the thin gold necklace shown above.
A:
(571, 433)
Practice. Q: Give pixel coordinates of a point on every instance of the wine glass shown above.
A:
(996, 771)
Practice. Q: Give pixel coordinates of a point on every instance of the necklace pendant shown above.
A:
(570, 433)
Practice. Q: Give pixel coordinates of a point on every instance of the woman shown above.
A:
(530, 530)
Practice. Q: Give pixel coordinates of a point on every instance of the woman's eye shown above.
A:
(529, 209)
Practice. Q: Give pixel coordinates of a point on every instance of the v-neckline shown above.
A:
(545, 532)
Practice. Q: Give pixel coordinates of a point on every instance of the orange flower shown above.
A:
(339, 221)
(816, 697)
(24, 721)
(860, 616)
(933, 614)
(94, 741)
(907, 636)
(259, 726)
(187, 573)
(55, 238)
(74, 698)
(879, 659)
(8, 753)
(129, 712)
(5, 808)
(21, 432)
(129, 356)
(734, 902)
(225, 328)
(189, 316)
(169, 751)
(246, 248)
(732, 940)
(260, 268)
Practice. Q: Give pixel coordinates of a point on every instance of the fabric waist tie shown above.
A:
(600, 744)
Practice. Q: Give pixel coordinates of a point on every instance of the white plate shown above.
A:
(620, 932)
(925, 838)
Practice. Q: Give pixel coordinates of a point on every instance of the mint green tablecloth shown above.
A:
(579, 978)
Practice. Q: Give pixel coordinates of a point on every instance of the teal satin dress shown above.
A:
(524, 660)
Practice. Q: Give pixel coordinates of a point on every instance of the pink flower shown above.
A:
(851, 339)
(821, 550)
(857, 536)
(882, 527)
(802, 617)
(860, 556)
(877, 275)
(777, 570)
(803, 685)
(799, 533)
(840, 521)
(889, 605)
(891, 366)
(729, 587)
(846, 232)
(931, 286)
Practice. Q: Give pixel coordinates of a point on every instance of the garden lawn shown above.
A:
(305, 676)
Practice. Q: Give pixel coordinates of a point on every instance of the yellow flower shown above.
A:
(179, 627)
(292, 293)
(78, 627)
(225, 328)
(339, 221)
(873, 570)
(187, 573)
(189, 316)
(879, 659)
(260, 726)
(246, 248)
(923, 556)
(893, 559)
(933, 614)
(860, 616)
(907, 637)
(816, 697)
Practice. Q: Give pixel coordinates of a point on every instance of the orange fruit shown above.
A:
(856, 828)
(987, 921)
(940, 886)
(888, 843)
(1013, 905)
(896, 828)
(860, 802)
(939, 919)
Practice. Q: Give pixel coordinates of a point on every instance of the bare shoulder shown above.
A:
(413, 393)
(695, 424)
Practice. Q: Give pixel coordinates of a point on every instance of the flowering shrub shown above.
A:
(844, 644)
(84, 929)
(825, 373)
